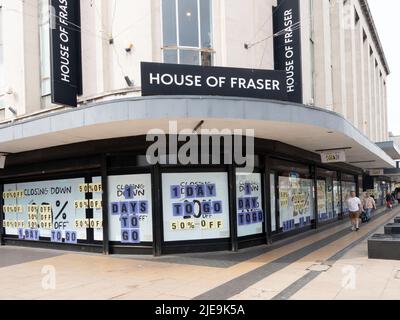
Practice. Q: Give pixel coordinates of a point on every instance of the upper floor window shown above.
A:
(187, 35)
(44, 29)
(2, 78)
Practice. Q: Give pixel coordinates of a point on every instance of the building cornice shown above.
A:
(374, 32)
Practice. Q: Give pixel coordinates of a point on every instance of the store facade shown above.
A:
(105, 196)
(75, 172)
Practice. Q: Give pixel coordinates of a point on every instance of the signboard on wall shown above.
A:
(287, 47)
(195, 206)
(175, 79)
(376, 172)
(334, 156)
(65, 49)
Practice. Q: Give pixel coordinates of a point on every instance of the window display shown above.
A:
(295, 202)
(97, 212)
(130, 214)
(250, 214)
(273, 202)
(337, 202)
(347, 188)
(322, 200)
(195, 206)
(55, 209)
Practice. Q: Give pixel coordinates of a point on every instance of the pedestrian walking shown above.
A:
(389, 203)
(369, 205)
(355, 208)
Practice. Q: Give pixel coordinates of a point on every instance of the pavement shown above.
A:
(331, 264)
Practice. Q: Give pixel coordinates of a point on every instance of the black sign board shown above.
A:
(66, 65)
(287, 47)
(173, 79)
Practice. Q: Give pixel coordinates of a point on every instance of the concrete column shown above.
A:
(378, 103)
(351, 74)
(384, 112)
(372, 97)
(367, 90)
(323, 62)
(376, 99)
(385, 105)
(21, 56)
(360, 77)
(307, 52)
(338, 59)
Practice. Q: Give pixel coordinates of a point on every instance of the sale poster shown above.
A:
(295, 202)
(250, 214)
(195, 206)
(130, 212)
(47, 206)
(322, 200)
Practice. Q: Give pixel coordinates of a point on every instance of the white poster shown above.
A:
(295, 202)
(97, 212)
(250, 214)
(195, 206)
(47, 209)
(322, 201)
(273, 202)
(130, 213)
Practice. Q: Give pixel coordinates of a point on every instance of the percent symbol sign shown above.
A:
(61, 212)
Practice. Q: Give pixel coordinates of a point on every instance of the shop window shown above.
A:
(195, 206)
(130, 214)
(273, 201)
(327, 190)
(250, 213)
(44, 38)
(348, 185)
(187, 35)
(55, 211)
(296, 196)
(2, 77)
(337, 200)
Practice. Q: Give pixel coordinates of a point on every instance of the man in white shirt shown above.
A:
(355, 208)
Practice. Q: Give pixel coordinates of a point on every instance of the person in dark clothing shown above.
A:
(389, 201)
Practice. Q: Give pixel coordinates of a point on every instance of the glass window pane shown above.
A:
(189, 57)
(250, 213)
(195, 206)
(273, 203)
(170, 56)
(188, 23)
(169, 22)
(337, 204)
(205, 23)
(295, 203)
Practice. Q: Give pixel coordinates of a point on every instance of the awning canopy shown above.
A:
(305, 127)
(391, 148)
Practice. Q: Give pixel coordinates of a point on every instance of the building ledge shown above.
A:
(391, 148)
(305, 127)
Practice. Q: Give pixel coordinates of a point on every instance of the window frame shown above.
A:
(178, 48)
(43, 21)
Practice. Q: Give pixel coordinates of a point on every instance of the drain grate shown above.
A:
(319, 267)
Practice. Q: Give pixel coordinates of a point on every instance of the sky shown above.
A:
(385, 13)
